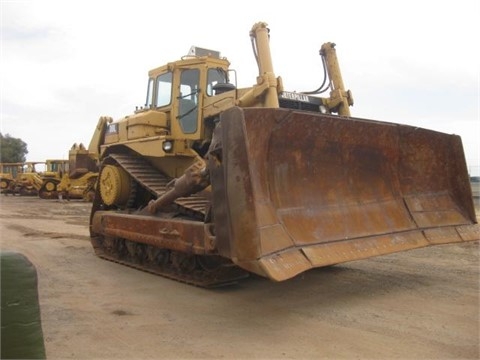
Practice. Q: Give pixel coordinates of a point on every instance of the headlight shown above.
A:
(323, 109)
(167, 146)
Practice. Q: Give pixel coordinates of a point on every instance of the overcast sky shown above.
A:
(66, 63)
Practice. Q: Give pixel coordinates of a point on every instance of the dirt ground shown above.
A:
(420, 304)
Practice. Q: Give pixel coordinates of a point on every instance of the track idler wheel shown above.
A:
(48, 190)
(115, 184)
(50, 186)
(3, 185)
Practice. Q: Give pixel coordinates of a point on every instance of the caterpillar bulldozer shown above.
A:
(28, 181)
(51, 177)
(79, 182)
(32, 182)
(8, 173)
(209, 183)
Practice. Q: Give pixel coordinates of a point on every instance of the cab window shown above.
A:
(214, 77)
(188, 100)
(164, 90)
(149, 101)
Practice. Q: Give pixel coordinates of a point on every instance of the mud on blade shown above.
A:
(305, 190)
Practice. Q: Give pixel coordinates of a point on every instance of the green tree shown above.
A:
(12, 149)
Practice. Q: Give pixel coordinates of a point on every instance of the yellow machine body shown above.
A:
(79, 182)
(207, 183)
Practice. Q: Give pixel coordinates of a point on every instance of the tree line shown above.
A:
(12, 149)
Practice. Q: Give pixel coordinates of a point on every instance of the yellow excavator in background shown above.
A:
(208, 183)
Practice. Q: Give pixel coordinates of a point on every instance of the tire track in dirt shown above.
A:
(30, 232)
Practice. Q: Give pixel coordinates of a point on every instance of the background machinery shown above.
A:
(74, 178)
(28, 181)
(208, 183)
(8, 173)
(55, 170)
(79, 182)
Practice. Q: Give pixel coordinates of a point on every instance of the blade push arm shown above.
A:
(265, 92)
(340, 99)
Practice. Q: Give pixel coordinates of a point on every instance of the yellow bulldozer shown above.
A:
(208, 183)
(79, 182)
(8, 173)
(55, 170)
(28, 181)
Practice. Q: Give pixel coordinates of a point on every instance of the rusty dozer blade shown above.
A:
(294, 190)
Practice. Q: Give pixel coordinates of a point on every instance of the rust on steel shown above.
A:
(343, 189)
(180, 235)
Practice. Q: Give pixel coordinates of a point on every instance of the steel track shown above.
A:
(193, 207)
